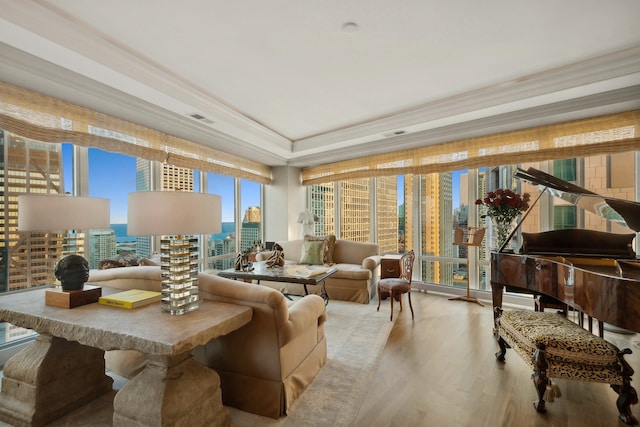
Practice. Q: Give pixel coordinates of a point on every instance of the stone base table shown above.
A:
(64, 367)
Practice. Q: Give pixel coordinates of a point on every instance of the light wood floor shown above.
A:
(440, 370)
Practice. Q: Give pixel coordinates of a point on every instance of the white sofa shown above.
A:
(263, 366)
(355, 280)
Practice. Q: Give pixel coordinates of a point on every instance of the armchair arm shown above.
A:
(304, 313)
(371, 262)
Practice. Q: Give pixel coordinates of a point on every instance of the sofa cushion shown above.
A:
(312, 252)
(350, 252)
(330, 240)
(351, 271)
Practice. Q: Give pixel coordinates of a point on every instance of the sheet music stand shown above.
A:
(471, 236)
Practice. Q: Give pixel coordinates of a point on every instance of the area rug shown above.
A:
(356, 335)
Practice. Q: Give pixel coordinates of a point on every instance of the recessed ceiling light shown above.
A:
(350, 27)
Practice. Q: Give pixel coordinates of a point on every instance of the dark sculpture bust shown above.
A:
(72, 271)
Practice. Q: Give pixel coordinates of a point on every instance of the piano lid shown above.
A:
(623, 212)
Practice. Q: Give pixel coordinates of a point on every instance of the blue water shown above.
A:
(122, 237)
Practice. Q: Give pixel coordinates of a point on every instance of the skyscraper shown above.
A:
(355, 218)
(103, 246)
(387, 213)
(27, 166)
(143, 183)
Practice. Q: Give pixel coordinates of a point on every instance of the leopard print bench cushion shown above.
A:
(572, 352)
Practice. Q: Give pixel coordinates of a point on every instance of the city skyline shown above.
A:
(113, 176)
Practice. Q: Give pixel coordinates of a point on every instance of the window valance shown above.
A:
(42, 118)
(598, 135)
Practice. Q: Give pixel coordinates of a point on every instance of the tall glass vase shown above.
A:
(501, 230)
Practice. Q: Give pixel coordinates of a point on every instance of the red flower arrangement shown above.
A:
(503, 206)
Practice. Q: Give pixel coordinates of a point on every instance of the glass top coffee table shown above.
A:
(302, 274)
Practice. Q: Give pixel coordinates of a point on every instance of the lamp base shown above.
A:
(179, 264)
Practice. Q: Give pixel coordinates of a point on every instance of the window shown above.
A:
(221, 247)
(355, 210)
(565, 169)
(323, 206)
(388, 195)
(564, 217)
(251, 208)
(113, 176)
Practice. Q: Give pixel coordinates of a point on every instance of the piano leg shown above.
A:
(497, 312)
(497, 290)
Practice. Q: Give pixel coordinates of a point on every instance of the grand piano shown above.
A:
(595, 273)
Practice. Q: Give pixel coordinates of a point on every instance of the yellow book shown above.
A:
(130, 299)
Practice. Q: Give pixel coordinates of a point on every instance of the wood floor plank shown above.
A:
(440, 370)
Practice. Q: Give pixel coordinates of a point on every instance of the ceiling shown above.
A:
(307, 82)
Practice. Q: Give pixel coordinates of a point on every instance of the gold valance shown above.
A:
(598, 135)
(42, 118)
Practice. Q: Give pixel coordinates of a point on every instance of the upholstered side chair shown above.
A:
(396, 286)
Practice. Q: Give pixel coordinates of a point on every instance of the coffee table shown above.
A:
(301, 274)
(64, 367)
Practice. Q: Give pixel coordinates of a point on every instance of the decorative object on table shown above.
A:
(72, 271)
(503, 206)
(242, 262)
(65, 214)
(131, 298)
(277, 257)
(307, 219)
(258, 246)
(176, 216)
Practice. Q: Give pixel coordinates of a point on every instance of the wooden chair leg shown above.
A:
(379, 297)
(400, 300)
(391, 300)
(410, 306)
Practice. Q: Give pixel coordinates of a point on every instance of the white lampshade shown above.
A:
(56, 212)
(156, 213)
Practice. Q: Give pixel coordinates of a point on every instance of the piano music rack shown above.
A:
(470, 236)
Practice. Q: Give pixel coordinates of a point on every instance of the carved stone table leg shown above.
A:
(50, 378)
(175, 393)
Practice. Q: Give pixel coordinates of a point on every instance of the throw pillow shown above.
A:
(312, 252)
(147, 261)
(129, 259)
(330, 240)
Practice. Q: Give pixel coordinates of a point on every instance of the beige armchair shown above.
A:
(263, 366)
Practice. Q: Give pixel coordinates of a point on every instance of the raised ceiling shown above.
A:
(306, 82)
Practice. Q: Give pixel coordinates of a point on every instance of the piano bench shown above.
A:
(543, 301)
(555, 347)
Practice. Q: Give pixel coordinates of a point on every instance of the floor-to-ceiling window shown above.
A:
(251, 209)
(222, 247)
(430, 207)
(113, 176)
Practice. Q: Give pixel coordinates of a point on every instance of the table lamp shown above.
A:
(177, 217)
(62, 213)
